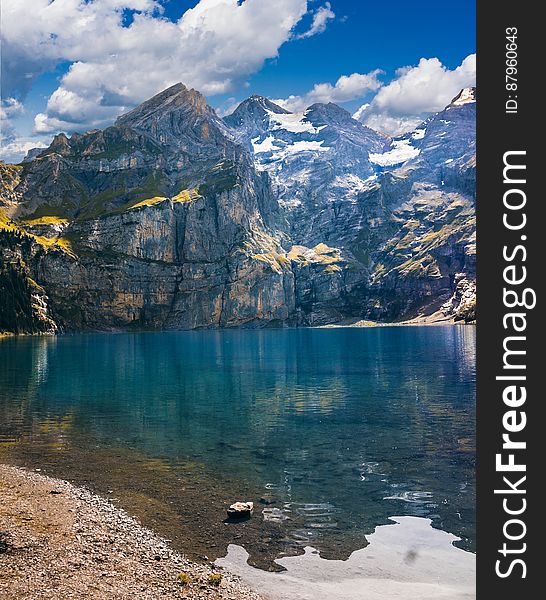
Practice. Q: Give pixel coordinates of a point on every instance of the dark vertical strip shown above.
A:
(511, 129)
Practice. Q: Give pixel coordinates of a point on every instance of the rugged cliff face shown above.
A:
(153, 222)
(174, 218)
(427, 261)
(399, 211)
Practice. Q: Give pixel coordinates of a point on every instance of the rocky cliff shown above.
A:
(174, 218)
(400, 212)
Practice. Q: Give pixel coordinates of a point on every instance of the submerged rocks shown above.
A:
(78, 545)
(268, 499)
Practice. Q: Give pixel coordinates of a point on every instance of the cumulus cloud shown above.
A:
(320, 21)
(415, 93)
(360, 111)
(38, 34)
(12, 147)
(389, 125)
(346, 88)
(10, 107)
(212, 47)
(13, 151)
(9, 145)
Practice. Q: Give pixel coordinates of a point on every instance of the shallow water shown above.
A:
(406, 560)
(342, 427)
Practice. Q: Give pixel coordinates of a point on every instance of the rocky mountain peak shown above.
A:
(175, 218)
(329, 111)
(60, 144)
(181, 121)
(174, 99)
(465, 96)
(32, 154)
(265, 103)
(330, 114)
(253, 112)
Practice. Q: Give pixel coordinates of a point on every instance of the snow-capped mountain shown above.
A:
(304, 151)
(380, 200)
(175, 218)
(445, 141)
(447, 151)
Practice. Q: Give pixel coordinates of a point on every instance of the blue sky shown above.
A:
(368, 35)
(77, 68)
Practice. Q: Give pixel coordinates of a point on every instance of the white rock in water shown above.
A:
(240, 510)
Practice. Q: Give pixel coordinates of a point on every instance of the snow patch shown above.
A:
(466, 96)
(400, 152)
(305, 146)
(268, 145)
(418, 134)
(302, 146)
(293, 122)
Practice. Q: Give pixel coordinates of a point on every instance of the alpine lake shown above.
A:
(330, 432)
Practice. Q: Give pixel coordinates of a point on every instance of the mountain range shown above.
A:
(174, 218)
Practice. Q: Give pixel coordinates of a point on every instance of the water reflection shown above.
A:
(342, 426)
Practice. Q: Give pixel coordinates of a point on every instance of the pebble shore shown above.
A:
(59, 541)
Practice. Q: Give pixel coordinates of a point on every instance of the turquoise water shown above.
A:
(344, 427)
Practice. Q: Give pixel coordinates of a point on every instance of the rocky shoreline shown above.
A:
(60, 541)
(346, 323)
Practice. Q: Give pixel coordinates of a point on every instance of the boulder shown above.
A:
(240, 510)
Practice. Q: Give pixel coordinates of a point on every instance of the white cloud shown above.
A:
(346, 88)
(415, 93)
(360, 110)
(428, 87)
(14, 151)
(320, 21)
(10, 107)
(391, 125)
(212, 47)
(37, 34)
(227, 107)
(11, 148)
(401, 151)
